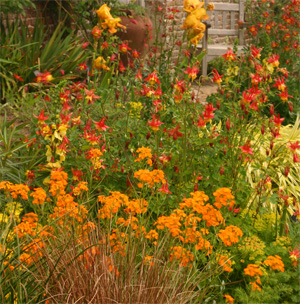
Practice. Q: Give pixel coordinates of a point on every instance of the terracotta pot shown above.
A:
(138, 29)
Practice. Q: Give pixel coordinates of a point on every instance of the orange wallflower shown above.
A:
(230, 235)
(39, 196)
(253, 270)
(275, 262)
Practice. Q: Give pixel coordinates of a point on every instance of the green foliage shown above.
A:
(15, 6)
(25, 52)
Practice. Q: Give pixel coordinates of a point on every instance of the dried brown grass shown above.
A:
(75, 273)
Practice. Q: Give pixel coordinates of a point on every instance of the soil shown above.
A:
(204, 90)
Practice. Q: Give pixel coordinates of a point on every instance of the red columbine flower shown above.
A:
(96, 32)
(274, 60)
(44, 77)
(277, 120)
(174, 132)
(294, 146)
(253, 30)
(246, 149)
(138, 75)
(76, 174)
(256, 79)
(90, 96)
(217, 77)
(41, 117)
(154, 123)
(121, 67)
(229, 56)
(280, 84)
(135, 54)
(82, 66)
(124, 48)
(294, 256)
(255, 52)
(192, 72)
(100, 125)
(164, 188)
(180, 86)
(152, 78)
(284, 96)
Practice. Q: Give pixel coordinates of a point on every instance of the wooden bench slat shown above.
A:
(224, 19)
(228, 27)
(216, 19)
(226, 7)
(223, 32)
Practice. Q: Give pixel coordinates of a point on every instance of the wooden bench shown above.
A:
(222, 11)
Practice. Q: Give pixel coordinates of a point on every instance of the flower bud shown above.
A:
(262, 129)
(286, 171)
(290, 106)
(228, 124)
(221, 170)
(271, 144)
(218, 104)
(271, 109)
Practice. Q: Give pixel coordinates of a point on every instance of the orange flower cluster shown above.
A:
(39, 196)
(223, 198)
(198, 198)
(94, 155)
(230, 235)
(66, 206)
(275, 263)
(212, 216)
(58, 182)
(32, 252)
(15, 189)
(144, 153)
(184, 256)
(253, 270)
(118, 241)
(255, 285)
(80, 187)
(225, 263)
(150, 177)
(228, 299)
(204, 245)
(28, 225)
(148, 260)
(171, 222)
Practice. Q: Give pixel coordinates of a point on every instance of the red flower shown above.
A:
(246, 148)
(124, 48)
(294, 146)
(18, 77)
(230, 56)
(164, 188)
(121, 67)
(90, 96)
(277, 120)
(174, 132)
(100, 125)
(155, 123)
(152, 78)
(217, 77)
(42, 116)
(192, 72)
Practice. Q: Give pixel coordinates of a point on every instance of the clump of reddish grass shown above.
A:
(76, 271)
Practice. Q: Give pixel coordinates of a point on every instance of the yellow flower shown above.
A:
(103, 12)
(191, 5)
(100, 63)
(200, 14)
(111, 24)
(195, 40)
(210, 7)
